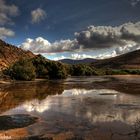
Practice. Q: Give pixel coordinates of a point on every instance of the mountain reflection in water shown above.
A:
(82, 109)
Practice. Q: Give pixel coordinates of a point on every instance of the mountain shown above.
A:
(129, 60)
(10, 54)
(83, 61)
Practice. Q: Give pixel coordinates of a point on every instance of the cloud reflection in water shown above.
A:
(97, 105)
(50, 101)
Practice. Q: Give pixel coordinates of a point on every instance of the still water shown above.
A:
(82, 108)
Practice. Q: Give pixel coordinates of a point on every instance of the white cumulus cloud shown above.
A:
(5, 32)
(41, 45)
(77, 56)
(38, 15)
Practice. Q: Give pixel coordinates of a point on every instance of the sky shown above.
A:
(74, 29)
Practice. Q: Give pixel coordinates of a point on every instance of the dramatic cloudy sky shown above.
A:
(74, 29)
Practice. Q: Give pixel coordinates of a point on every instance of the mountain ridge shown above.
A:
(72, 61)
(129, 60)
(10, 54)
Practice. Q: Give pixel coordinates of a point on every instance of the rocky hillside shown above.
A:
(9, 54)
(126, 61)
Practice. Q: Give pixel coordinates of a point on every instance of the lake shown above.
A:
(78, 108)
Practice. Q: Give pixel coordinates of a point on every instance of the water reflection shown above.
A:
(97, 105)
(94, 92)
(14, 95)
(79, 109)
(53, 100)
(37, 106)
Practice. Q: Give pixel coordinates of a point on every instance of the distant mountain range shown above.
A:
(83, 61)
(10, 54)
(129, 60)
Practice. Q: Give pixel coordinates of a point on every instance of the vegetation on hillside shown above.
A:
(37, 67)
(40, 67)
(122, 71)
(84, 70)
(22, 70)
(49, 69)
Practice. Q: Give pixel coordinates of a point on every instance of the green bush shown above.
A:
(85, 70)
(49, 69)
(133, 71)
(56, 70)
(22, 70)
(122, 71)
(41, 70)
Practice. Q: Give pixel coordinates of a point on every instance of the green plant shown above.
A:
(22, 70)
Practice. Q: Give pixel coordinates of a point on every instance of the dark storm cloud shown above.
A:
(107, 36)
(131, 31)
(98, 37)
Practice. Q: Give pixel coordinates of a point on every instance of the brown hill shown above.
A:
(10, 54)
(126, 61)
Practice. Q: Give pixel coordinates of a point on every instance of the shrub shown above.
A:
(39, 63)
(49, 69)
(122, 71)
(22, 70)
(56, 70)
(85, 70)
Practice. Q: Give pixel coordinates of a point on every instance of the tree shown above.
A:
(22, 70)
(56, 70)
(39, 63)
(82, 70)
(49, 69)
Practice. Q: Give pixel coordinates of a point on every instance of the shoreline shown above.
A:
(4, 82)
(121, 77)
